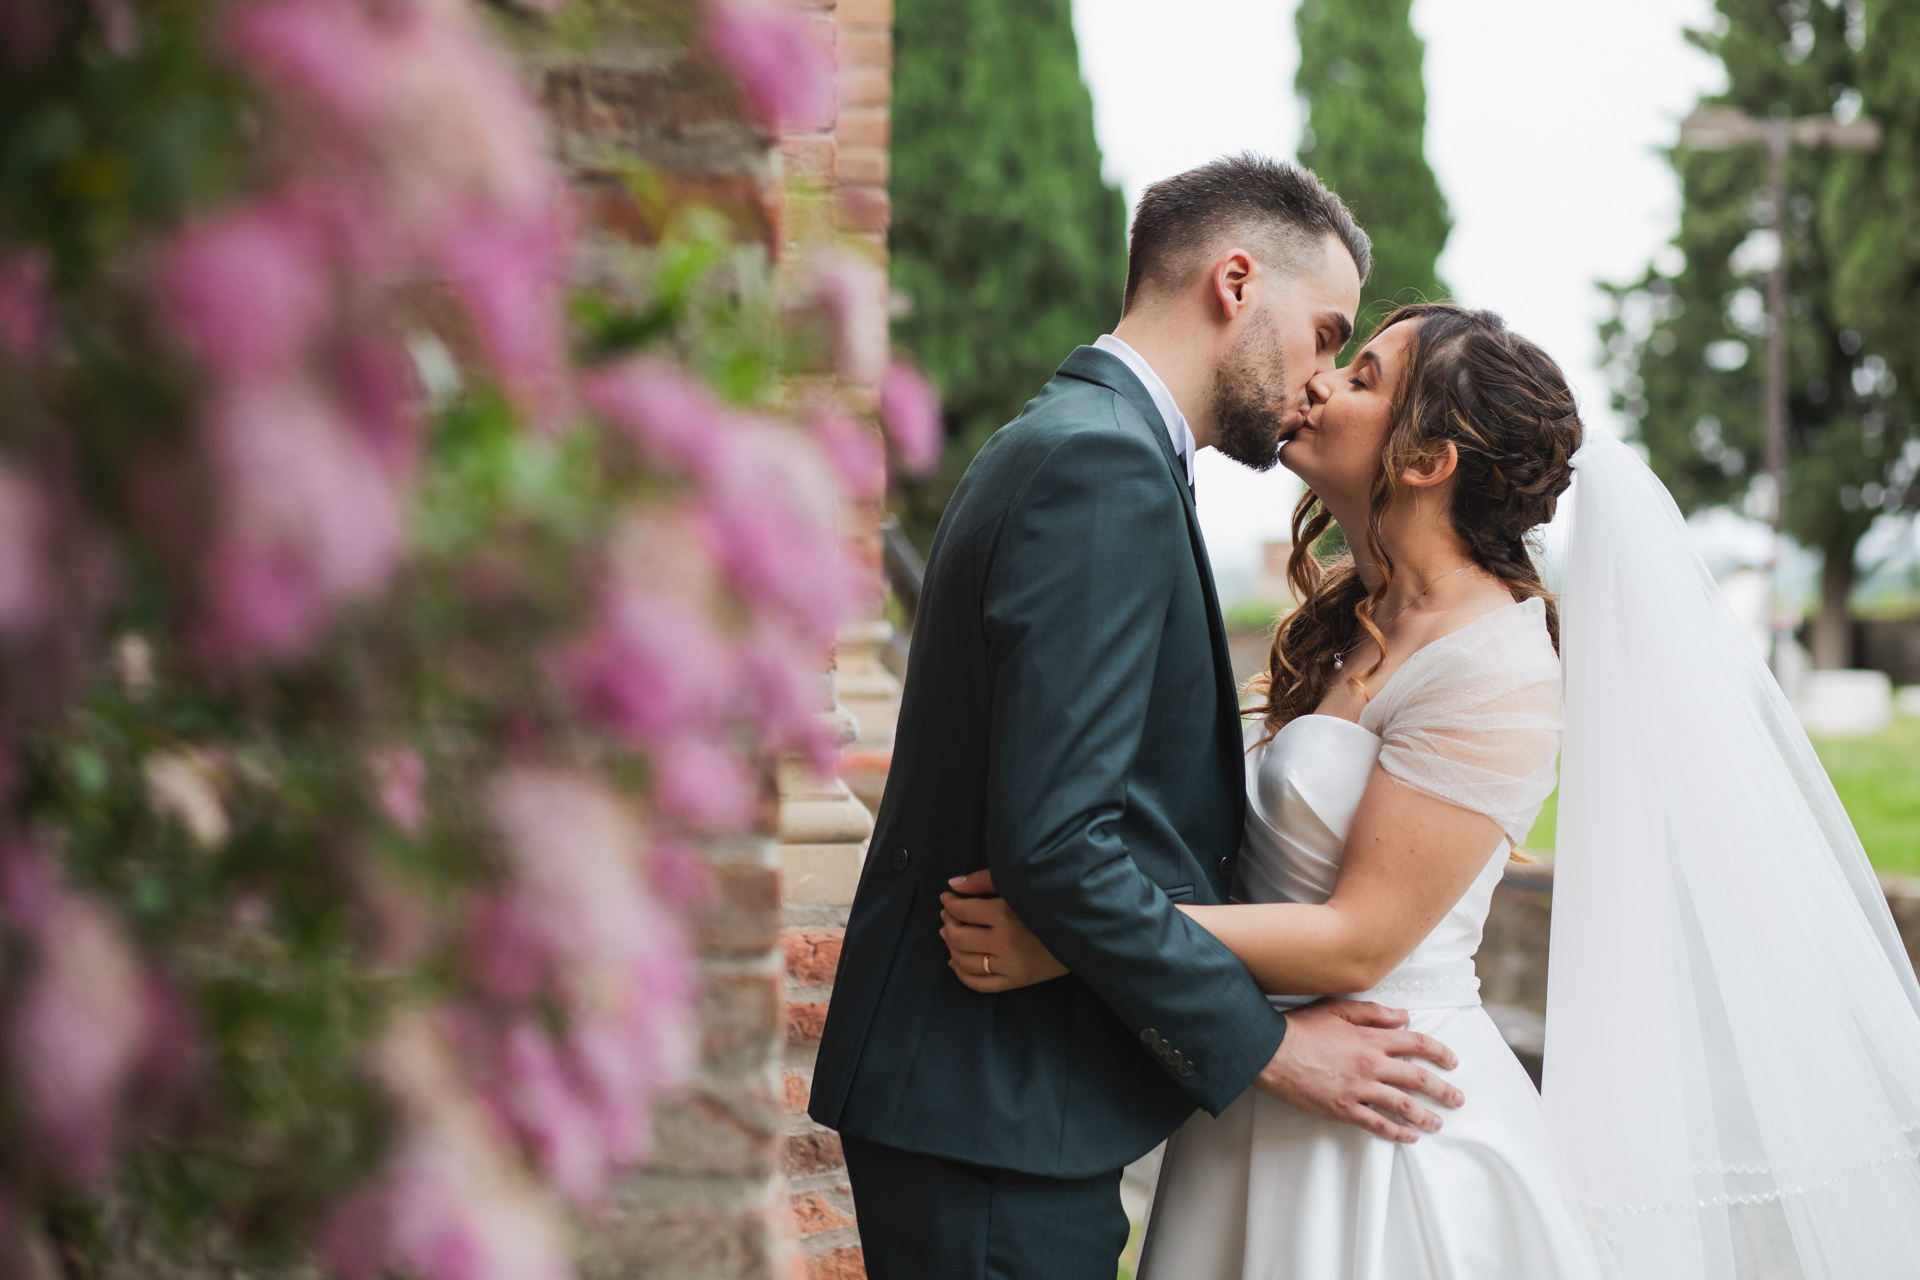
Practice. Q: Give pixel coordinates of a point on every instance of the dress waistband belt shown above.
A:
(1444, 984)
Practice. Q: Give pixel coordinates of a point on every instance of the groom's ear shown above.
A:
(1232, 272)
(1433, 466)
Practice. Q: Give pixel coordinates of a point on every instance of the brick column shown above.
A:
(840, 179)
(824, 831)
(647, 127)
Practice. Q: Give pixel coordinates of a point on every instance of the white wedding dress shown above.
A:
(1732, 1086)
(1265, 1192)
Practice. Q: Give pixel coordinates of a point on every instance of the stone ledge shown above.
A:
(817, 811)
(823, 873)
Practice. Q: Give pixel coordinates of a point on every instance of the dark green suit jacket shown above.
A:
(1069, 720)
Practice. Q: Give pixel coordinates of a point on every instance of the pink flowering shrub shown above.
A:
(383, 626)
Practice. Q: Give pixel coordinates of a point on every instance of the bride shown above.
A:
(1732, 1083)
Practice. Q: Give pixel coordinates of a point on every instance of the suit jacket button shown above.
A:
(900, 858)
(1186, 1070)
(1149, 1036)
(1226, 868)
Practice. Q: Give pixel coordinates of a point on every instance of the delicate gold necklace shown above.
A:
(1340, 659)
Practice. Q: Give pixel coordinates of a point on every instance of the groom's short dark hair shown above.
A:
(1282, 210)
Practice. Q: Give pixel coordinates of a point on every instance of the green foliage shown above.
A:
(1853, 250)
(1365, 137)
(1009, 247)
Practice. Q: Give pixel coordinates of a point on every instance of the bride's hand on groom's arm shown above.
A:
(988, 948)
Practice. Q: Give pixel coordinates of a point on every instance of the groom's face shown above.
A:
(1293, 333)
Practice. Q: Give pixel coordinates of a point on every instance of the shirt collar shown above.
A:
(1177, 429)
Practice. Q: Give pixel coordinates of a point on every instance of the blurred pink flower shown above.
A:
(775, 527)
(450, 1203)
(451, 1220)
(169, 1036)
(374, 387)
(911, 408)
(458, 120)
(782, 57)
(507, 950)
(576, 850)
(542, 1100)
(311, 519)
(855, 450)
(582, 913)
(413, 103)
(703, 783)
(855, 290)
(246, 292)
(29, 887)
(653, 665)
(75, 1038)
(661, 546)
(399, 782)
(680, 875)
(27, 28)
(662, 409)
(785, 693)
(25, 592)
(26, 299)
(627, 1053)
(260, 601)
(328, 52)
(510, 271)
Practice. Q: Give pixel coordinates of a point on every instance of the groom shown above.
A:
(1069, 722)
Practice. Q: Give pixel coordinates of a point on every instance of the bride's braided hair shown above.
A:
(1505, 405)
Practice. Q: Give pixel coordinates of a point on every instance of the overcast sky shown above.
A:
(1544, 120)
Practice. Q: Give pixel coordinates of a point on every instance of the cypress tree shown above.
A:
(1007, 244)
(1688, 347)
(1365, 136)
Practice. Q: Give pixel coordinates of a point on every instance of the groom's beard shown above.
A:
(1249, 404)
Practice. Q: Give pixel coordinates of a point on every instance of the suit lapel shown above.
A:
(1090, 364)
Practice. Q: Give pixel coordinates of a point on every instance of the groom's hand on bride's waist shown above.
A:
(1347, 1060)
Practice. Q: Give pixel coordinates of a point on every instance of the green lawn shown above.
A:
(1878, 778)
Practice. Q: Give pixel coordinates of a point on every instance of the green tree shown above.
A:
(1007, 245)
(1360, 76)
(1687, 346)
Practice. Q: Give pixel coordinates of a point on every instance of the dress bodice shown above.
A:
(1303, 788)
(1471, 718)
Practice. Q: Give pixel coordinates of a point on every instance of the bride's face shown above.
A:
(1337, 450)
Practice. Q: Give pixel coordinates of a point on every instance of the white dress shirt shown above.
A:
(1177, 429)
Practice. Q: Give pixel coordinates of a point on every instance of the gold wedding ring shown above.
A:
(986, 966)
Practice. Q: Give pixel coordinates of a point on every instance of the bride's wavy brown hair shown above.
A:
(1506, 407)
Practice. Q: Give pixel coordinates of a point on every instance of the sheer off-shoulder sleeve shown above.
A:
(1474, 718)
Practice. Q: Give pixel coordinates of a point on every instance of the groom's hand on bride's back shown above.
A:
(1346, 1060)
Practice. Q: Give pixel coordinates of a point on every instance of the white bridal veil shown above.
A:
(1733, 1026)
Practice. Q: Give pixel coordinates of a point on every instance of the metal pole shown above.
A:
(1778, 139)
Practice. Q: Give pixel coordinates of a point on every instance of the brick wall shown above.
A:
(647, 125)
(742, 1185)
(824, 827)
